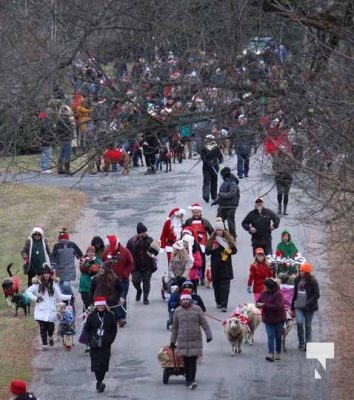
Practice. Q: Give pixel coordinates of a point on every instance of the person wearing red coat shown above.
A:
(172, 230)
(121, 261)
(259, 271)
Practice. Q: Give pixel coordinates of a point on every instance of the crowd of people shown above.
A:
(107, 267)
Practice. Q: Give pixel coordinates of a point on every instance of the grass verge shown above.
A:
(21, 208)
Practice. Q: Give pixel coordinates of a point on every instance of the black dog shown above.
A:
(21, 301)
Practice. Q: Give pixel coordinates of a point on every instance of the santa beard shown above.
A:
(176, 224)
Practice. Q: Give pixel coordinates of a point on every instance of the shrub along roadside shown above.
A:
(21, 208)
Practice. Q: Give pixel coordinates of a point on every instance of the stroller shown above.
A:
(170, 362)
(67, 326)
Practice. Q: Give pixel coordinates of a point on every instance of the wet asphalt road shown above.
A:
(115, 204)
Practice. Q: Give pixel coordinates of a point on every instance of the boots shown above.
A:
(100, 386)
(270, 357)
(284, 210)
(67, 168)
(60, 167)
(279, 209)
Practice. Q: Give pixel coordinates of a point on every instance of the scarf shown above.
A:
(224, 243)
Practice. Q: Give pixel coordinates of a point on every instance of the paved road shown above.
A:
(114, 205)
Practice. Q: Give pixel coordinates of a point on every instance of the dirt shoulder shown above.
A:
(21, 208)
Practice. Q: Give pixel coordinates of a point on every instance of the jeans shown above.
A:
(46, 157)
(304, 317)
(120, 312)
(243, 162)
(274, 333)
(65, 287)
(65, 152)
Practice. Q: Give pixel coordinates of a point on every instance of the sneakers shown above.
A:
(45, 347)
(218, 306)
(270, 357)
(277, 356)
(51, 341)
(146, 302)
(223, 309)
(301, 347)
(192, 386)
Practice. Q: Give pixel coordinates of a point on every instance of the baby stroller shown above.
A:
(170, 362)
(67, 326)
(174, 289)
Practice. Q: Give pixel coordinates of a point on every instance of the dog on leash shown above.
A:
(254, 316)
(235, 332)
(10, 285)
(21, 300)
(287, 328)
(115, 155)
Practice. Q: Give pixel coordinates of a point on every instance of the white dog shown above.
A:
(254, 316)
(235, 332)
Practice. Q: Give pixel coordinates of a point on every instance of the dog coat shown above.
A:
(114, 155)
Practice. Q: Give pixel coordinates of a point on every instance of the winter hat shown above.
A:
(225, 172)
(91, 248)
(100, 301)
(141, 228)
(47, 269)
(63, 234)
(18, 386)
(178, 245)
(37, 229)
(270, 283)
(112, 242)
(306, 267)
(186, 231)
(259, 250)
(195, 207)
(259, 200)
(219, 224)
(187, 284)
(176, 212)
(186, 295)
(210, 137)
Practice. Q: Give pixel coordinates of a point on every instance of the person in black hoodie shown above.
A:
(144, 264)
(228, 199)
(211, 156)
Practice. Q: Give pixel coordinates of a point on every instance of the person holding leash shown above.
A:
(188, 318)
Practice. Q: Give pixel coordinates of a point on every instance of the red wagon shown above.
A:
(170, 362)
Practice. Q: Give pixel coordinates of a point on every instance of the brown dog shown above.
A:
(119, 156)
(235, 332)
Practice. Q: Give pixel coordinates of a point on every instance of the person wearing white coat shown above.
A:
(46, 294)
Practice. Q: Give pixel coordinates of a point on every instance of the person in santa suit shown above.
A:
(200, 228)
(172, 230)
(121, 261)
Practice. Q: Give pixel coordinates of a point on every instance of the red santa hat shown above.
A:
(100, 301)
(176, 212)
(186, 231)
(195, 207)
(112, 241)
(186, 295)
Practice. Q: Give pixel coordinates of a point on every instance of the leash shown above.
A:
(212, 317)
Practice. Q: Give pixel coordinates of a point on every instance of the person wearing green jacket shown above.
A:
(287, 249)
(89, 266)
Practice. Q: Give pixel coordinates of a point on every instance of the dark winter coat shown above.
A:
(262, 222)
(312, 293)
(211, 157)
(100, 356)
(220, 269)
(229, 193)
(138, 247)
(186, 330)
(64, 130)
(273, 310)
